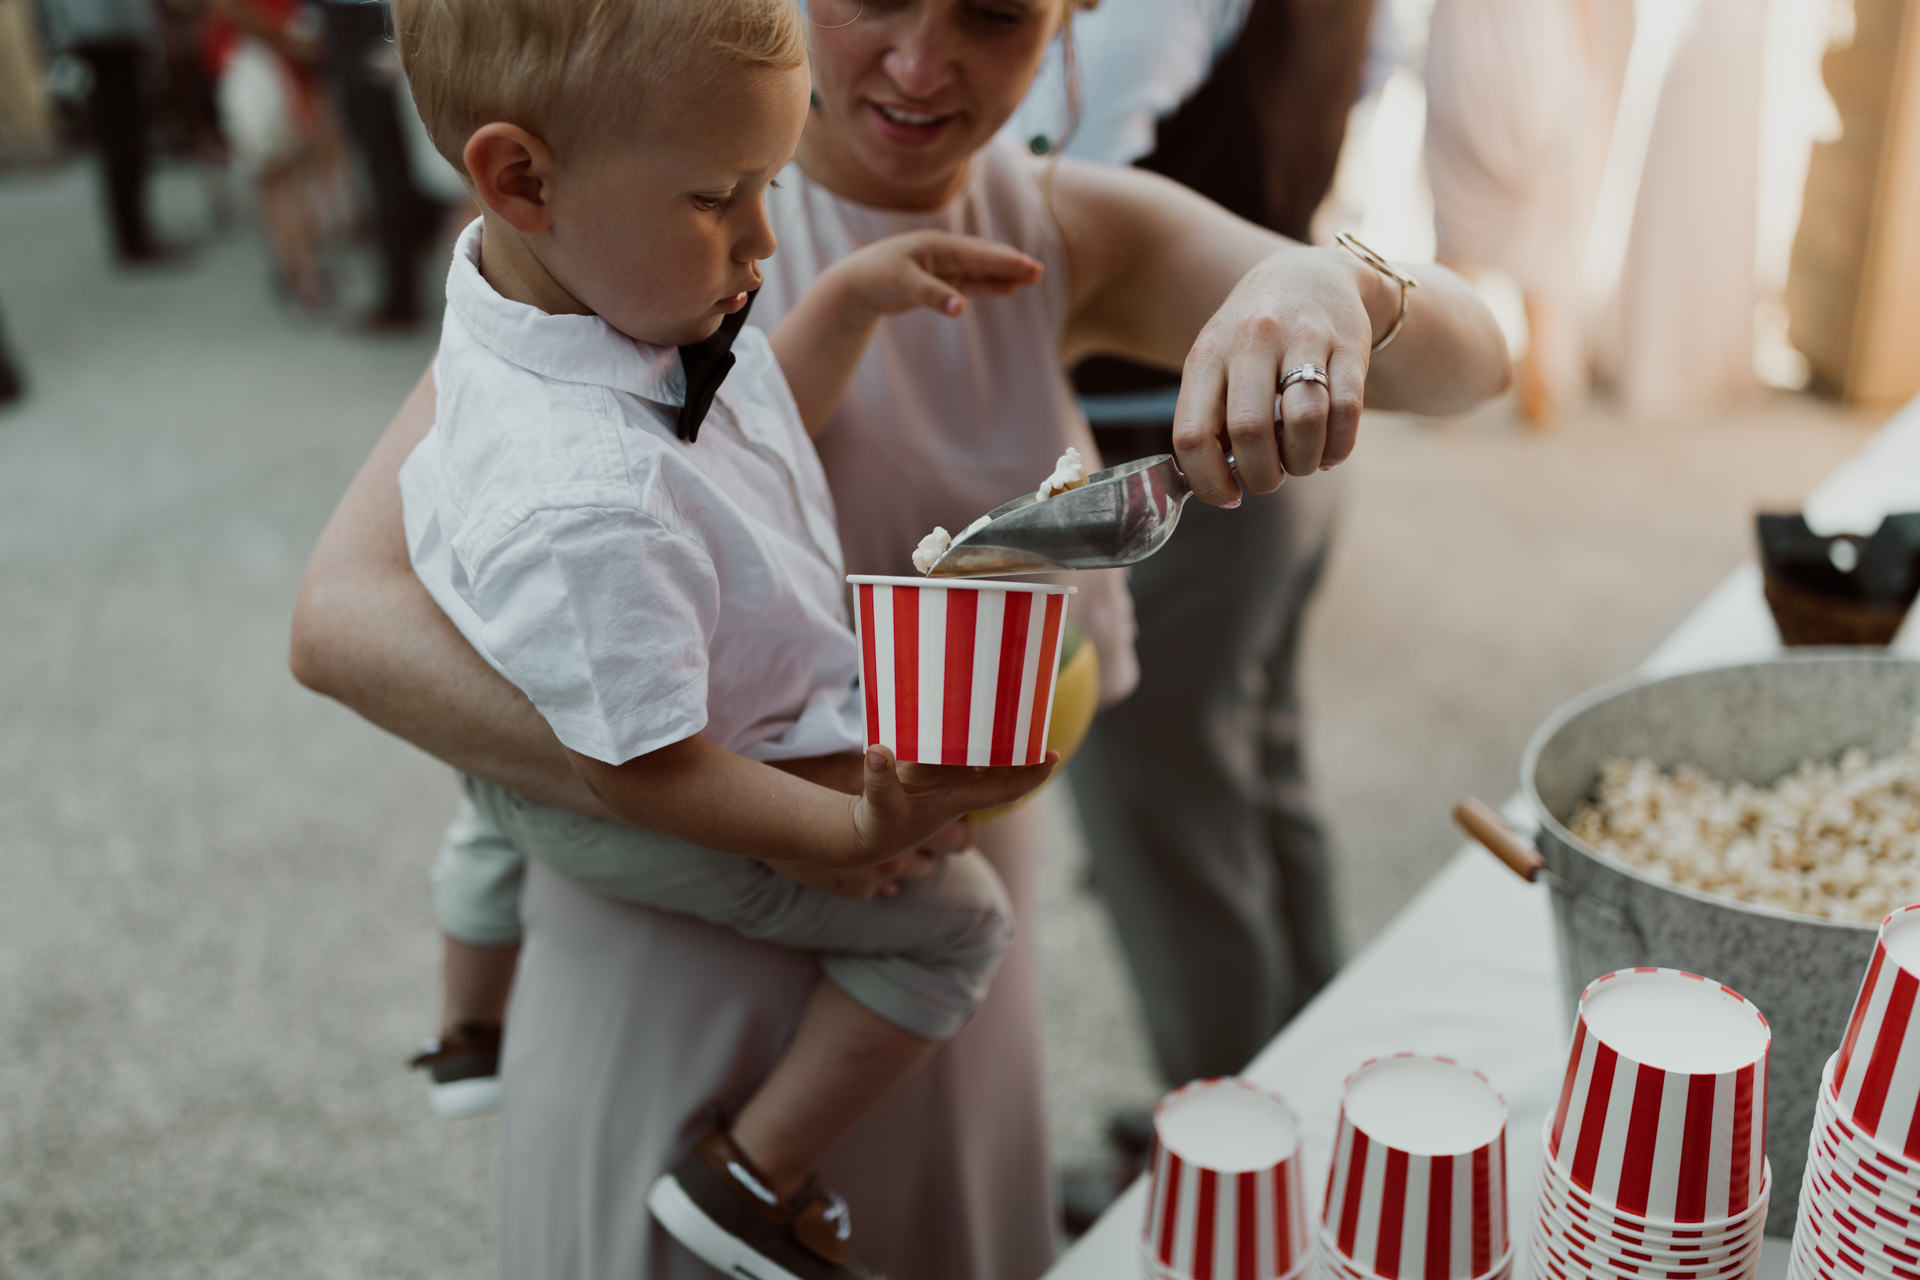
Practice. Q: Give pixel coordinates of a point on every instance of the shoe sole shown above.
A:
(458, 1099)
(686, 1222)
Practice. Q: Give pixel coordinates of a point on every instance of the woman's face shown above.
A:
(910, 89)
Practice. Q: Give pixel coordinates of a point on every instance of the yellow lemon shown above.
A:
(1076, 696)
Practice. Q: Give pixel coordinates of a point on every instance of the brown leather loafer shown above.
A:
(463, 1066)
(722, 1209)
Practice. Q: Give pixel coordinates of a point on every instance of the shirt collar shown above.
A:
(566, 348)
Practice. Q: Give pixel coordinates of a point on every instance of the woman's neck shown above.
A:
(824, 158)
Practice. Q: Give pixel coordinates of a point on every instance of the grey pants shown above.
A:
(1193, 792)
(922, 959)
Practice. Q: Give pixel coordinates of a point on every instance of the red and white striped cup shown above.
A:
(1877, 1072)
(1418, 1187)
(1225, 1201)
(1663, 1110)
(958, 670)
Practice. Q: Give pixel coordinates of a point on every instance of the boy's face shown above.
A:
(660, 234)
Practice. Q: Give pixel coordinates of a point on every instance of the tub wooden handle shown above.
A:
(1481, 821)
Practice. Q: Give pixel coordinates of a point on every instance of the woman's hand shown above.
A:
(1148, 264)
(1301, 306)
(883, 879)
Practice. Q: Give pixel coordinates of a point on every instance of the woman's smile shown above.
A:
(903, 126)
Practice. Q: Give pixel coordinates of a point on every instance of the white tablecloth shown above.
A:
(1467, 968)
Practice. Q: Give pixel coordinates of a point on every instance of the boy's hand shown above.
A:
(903, 806)
(934, 269)
(824, 335)
(881, 880)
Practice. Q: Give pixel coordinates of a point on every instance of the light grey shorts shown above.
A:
(922, 959)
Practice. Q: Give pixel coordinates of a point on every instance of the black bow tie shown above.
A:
(706, 363)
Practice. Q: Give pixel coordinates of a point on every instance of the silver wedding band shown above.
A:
(1299, 373)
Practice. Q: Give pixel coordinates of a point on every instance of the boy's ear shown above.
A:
(512, 174)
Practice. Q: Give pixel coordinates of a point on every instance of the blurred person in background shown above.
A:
(1201, 828)
(13, 384)
(261, 54)
(116, 39)
(188, 122)
(1513, 157)
(365, 76)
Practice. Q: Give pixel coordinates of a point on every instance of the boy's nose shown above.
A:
(758, 243)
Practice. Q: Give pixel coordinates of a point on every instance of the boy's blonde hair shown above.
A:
(562, 69)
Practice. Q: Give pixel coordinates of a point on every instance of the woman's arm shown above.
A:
(367, 634)
(1165, 276)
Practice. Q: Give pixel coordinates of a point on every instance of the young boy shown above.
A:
(648, 552)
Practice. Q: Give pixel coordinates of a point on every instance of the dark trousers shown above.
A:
(1201, 828)
(368, 99)
(120, 139)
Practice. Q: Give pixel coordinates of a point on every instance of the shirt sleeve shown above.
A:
(603, 617)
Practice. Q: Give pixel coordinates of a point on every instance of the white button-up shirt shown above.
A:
(637, 588)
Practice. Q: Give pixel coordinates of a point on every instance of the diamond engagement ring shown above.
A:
(1303, 373)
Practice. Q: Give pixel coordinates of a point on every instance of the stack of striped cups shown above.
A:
(1655, 1163)
(1225, 1199)
(1418, 1186)
(1859, 1215)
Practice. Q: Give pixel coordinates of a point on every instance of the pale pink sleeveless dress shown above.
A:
(626, 1023)
(947, 418)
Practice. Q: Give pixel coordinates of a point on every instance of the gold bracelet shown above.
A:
(1351, 243)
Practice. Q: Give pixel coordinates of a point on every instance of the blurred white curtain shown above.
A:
(1678, 333)
(1520, 98)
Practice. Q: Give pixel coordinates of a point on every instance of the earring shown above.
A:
(813, 100)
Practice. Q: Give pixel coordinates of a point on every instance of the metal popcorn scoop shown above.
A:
(1119, 516)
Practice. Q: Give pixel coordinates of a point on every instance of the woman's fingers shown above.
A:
(918, 865)
(1347, 371)
(1197, 421)
(956, 836)
(1250, 423)
(1299, 308)
(1303, 410)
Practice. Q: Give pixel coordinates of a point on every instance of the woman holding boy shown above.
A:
(627, 1023)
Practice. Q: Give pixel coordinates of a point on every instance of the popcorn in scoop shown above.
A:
(931, 548)
(1068, 473)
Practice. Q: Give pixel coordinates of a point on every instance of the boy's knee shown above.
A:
(982, 909)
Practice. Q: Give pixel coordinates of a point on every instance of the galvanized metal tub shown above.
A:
(1751, 722)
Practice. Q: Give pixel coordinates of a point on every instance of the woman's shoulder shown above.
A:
(1008, 184)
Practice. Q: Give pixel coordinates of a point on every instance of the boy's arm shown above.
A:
(822, 338)
(707, 795)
